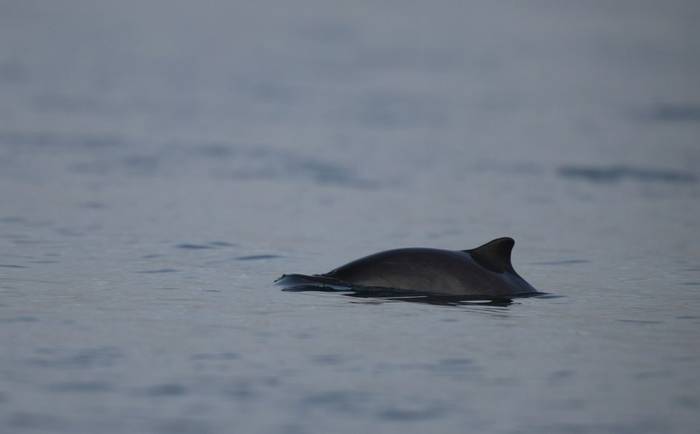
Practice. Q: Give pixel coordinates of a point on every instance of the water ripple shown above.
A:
(617, 173)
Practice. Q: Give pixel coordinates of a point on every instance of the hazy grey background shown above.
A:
(162, 162)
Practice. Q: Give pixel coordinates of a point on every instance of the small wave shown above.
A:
(562, 262)
(257, 257)
(160, 270)
(675, 113)
(188, 246)
(617, 173)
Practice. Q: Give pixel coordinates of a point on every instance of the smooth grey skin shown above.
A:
(483, 271)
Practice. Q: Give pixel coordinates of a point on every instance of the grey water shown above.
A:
(163, 162)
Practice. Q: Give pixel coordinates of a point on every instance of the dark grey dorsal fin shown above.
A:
(494, 255)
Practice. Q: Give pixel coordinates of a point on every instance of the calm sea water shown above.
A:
(162, 162)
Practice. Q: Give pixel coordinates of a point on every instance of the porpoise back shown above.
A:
(483, 271)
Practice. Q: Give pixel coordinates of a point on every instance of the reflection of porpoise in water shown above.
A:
(482, 273)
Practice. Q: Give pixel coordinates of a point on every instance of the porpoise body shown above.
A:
(484, 271)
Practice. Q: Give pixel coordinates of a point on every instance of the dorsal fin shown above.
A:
(494, 255)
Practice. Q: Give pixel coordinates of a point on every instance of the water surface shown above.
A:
(161, 163)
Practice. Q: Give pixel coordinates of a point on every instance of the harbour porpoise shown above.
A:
(485, 272)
